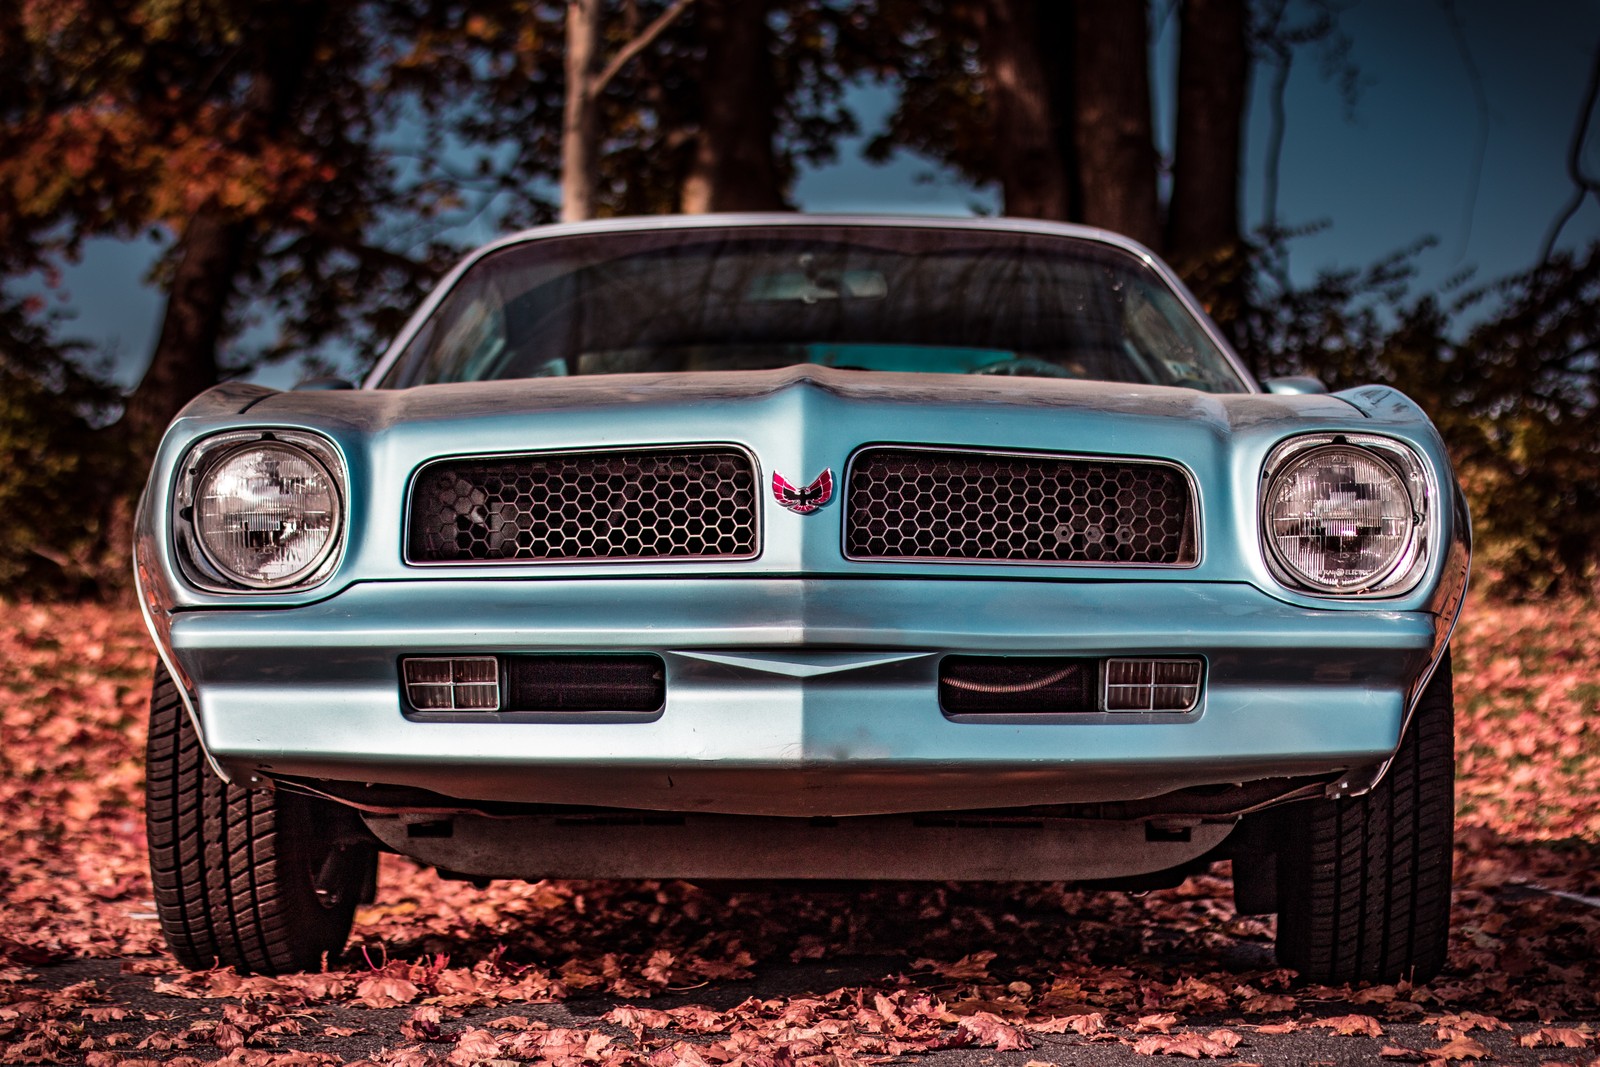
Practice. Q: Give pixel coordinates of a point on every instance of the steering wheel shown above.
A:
(1025, 367)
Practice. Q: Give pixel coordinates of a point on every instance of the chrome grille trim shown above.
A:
(868, 540)
(617, 505)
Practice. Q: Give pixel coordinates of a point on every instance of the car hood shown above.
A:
(619, 394)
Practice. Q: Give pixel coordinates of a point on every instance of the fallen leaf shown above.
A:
(681, 1054)
(473, 1047)
(424, 1024)
(1161, 1023)
(1351, 1025)
(1460, 1048)
(387, 992)
(967, 967)
(989, 1029)
(1215, 1045)
(1465, 1021)
(1554, 1037)
(638, 1020)
(1264, 1003)
(1089, 1023)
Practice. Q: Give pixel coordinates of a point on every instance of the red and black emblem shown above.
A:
(803, 501)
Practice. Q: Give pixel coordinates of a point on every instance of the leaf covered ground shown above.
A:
(635, 973)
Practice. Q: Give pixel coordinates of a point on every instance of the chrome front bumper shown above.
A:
(802, 697)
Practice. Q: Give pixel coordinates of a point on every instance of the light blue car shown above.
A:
(805, 547)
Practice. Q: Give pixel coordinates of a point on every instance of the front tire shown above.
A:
(1364, 882)
(262, 880)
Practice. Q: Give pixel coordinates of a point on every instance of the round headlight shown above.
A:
(1339, 519)
(267, 514)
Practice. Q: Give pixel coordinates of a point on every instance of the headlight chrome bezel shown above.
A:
(195, 557)
(1414, 474)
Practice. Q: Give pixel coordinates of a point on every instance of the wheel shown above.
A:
(1364, 882)
(262, 880)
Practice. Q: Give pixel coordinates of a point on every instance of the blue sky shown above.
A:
(1399, 168)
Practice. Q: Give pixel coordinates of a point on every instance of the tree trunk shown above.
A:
(1057, 45)
(1034, 177)
(210, 252)
(580, 129)
(1213, 74)
(1113, 135)
(734, 166)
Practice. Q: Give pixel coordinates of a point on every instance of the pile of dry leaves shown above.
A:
(626, 973)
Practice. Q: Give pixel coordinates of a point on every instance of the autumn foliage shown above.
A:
(311, 168)
(633, 973)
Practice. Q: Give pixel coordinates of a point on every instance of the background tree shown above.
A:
(1051, 102)
(274, 65)
(1204, 238)
(1516, 396)
(249, 134)
(1034, 149)
(52, 487)
(1112, 127)
(1213, 84)
(715, 110)
(304, 159)
(734, 166)
(588, 72)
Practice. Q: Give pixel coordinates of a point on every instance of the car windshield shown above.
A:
(888, 298)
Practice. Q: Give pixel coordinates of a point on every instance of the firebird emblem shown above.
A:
(803, 501)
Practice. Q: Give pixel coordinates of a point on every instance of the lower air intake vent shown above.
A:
(584, 683)
(1018, 685)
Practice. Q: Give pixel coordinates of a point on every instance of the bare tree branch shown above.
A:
(1275, 132)
(1281, 54)
(1585, 184)
(1481, 98)
(645, 39)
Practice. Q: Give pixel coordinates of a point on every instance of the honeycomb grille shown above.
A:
(906, 504)
(595, 505)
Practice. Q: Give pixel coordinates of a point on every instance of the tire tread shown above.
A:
(1364, 882)
(228, 863)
